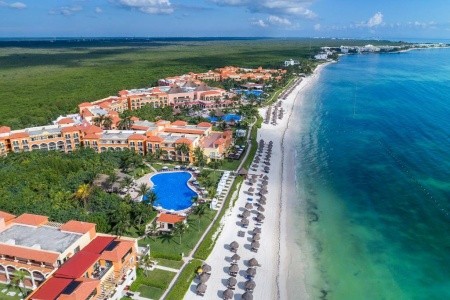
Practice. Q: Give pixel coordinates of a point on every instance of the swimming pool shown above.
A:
(257, 93)
(226, 118)
(172, 190)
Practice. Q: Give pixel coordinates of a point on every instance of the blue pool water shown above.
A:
(172, 190)
(257, 93)
(226, 118)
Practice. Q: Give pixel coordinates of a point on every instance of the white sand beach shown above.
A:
(274, 256)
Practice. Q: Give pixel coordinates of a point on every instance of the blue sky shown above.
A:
(426, 19)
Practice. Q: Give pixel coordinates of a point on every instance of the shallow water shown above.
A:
(374, 168)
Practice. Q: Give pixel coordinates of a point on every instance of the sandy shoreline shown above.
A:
(274, 279)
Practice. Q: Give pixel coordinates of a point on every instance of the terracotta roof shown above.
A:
(92, 129)
(91, 136)
(183, 141)
(171, 219)
(123, 92)
(137, 137)
(204, 124)
(4, 129)
(6, 216)
(19, 135)
(154, 138)
(70, 129)
(118, 252)
(179, 123)
(134, 119)
(85, 286)
(77, 226)
(65, 121)
(184, 130)
(219, 141)
(77, 265)
(136, 127)
(86, 113)
(30, 219)
(29, 253)
(161, 122)
(99, 244)
(84, 104)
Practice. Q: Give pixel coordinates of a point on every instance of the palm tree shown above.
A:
(125, 123)
(179, 228)
(107, 122)
(145, 263)
(200, 211)
(17, 280)
(112, 178)
(98, 120)
(126, 182)
(83, 192)
(183, 149)
(151, 198)
(143, 190)
(200, 157)
(152, 228)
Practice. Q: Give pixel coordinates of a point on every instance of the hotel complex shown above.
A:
(65, 261)
(162, 138)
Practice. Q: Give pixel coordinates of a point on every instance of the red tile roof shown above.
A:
(84, 104)
(183, 141)
(30, 219)
(85, 287)
(99, 244)
(7, 216)
(137, 137)
(118, 252)
(77, 226)
(204, 124)
(19, 135)
(28, 253)
(70, 129)
(154, 138)
(66, 121)
(184, 130)
(51, 289)
(4, 129)
(77, 265)
(171, 219)
(179, 123)
(86, 113)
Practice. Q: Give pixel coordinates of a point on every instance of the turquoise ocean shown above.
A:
(374, 168)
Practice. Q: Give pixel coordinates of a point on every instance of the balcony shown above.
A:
(100, 271)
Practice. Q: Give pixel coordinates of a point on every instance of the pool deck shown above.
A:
(147, 180)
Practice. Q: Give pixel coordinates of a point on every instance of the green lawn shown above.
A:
(169, 263)
(169, 246)
(150, 292)
(157, 278)
(184, 280)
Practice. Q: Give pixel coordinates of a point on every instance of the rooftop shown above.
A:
(40, 238)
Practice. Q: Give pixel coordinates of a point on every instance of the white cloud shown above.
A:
(98, 10)
(277, 7)
(14, 5)
(260, 23)
(376, 20)
(279, 21)
(66, 10)
(148, 6)
(317, 27)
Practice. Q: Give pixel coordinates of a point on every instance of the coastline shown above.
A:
(293, 281)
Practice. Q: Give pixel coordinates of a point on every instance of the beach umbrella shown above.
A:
(256, 237)
(234, 269)
(204, 277)
(248, 206)
(254, 176)
(235, 257)
(246, 214)
(232, 281)
(262, 202)
(254, 165)
(265, 182)
(263, 191)
(234, 245)
(206, 268)
(228, 294)
(245, 221)
(255, 245)
(253, 262)
(262, 197)
(250, 285)
(266, 177)
(260, 209)
(253, 181)
(251, 272)
(251, 190)
(267, 163)
(256, 230)
(260, 216)
(201, 288)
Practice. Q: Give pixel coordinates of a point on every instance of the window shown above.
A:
(67, 136)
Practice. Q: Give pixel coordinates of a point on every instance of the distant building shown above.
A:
(166, 222)
(291, 62)
(321, 56)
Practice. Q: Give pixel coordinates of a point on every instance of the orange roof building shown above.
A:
(166, 222)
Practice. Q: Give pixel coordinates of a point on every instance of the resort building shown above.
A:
(70, 256)
(166, 222)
